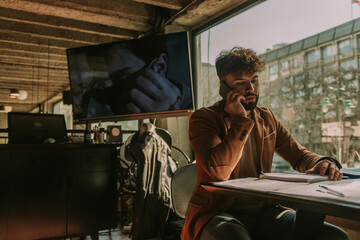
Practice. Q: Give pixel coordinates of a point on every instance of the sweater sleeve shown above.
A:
(218, 151)
(289, 149)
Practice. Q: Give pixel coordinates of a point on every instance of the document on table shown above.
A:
(294, 177)
(350, 188)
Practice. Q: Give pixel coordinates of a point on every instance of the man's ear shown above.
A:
(160, 64)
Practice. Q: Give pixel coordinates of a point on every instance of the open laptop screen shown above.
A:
(36, 128)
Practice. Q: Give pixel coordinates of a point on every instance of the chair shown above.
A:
(165, 135)
(182, 187)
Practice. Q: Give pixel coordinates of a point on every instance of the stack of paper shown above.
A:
(294, 177)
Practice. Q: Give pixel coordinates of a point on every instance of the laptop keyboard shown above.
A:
(351, 172)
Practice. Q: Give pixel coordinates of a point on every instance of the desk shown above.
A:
(56, 190)
(311, 206)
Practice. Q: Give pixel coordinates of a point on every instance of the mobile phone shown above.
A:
(224, 89)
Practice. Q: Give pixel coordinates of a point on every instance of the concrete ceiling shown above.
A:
(35, 34)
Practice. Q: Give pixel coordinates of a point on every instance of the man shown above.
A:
(234, 138)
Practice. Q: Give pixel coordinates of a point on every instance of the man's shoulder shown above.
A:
(265, 113)
(211, 111)
(264, 110)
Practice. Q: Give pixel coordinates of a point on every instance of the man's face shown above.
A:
(122, 62)
(247, 85)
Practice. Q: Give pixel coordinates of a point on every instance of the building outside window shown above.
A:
(66, 110)
(347, 65)
(346, 46)
(273, 70)
(285, 65)
(358, 42)
(328, 51)
(311, 57)
(298, 62)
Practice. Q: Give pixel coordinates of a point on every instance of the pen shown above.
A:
(332, 191)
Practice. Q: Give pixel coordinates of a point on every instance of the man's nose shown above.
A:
(250, 87)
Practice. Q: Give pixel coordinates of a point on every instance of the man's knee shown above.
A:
(332, 232)
(224, 227)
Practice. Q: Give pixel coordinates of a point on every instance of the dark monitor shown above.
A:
(36, 128)
(132, 79)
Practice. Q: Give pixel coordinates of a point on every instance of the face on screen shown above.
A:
(122, 62)
(139, 87)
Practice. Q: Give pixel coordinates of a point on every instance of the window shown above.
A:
(311, 57)
(346, 46)
(273, 69)
(298, 62)
(347, 65)
(328, 51)
(316, 90)
(61, 108)
(285, 65)
(329, 73)
(310, 85)
(358, 41)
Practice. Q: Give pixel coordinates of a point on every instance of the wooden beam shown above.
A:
(28, 39)
(171, 4)
(53, 32)
(127, 16)
(64, 23)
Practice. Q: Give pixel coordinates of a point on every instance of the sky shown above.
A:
(277, 21)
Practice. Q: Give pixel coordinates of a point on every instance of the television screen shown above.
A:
(132, 79)
(36, 128)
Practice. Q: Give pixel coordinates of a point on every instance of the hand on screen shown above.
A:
(153, 93)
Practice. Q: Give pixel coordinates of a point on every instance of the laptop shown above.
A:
(24, 128)
(351, 172)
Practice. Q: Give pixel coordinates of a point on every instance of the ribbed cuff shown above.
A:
(331, 160)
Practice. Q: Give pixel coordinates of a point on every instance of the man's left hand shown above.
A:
(326, 167)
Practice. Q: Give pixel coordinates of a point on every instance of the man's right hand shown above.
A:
(233, 106)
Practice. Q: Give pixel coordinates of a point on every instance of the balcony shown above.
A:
(346, 55)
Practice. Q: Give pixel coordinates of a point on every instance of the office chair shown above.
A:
(182, 187)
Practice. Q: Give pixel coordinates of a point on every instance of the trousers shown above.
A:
(271, 223)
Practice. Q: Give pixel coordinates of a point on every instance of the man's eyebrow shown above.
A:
(242, 79)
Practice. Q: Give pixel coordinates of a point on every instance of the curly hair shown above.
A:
(238, 61)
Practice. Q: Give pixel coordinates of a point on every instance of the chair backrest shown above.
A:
(164, 134)
(182, 187)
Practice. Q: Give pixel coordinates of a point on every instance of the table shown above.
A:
(311, 206)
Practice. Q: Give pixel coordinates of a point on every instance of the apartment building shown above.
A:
(312, 86)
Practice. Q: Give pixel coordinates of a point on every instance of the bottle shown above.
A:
(96, 134)
(101, 135)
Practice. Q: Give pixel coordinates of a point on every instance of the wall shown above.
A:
(3, 125)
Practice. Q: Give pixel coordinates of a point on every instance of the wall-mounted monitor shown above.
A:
(133, 79)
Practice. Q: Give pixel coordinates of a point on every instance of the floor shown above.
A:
(113, 234)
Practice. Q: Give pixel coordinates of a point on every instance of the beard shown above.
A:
(251, 105)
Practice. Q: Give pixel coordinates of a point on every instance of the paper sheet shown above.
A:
(350, 188)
